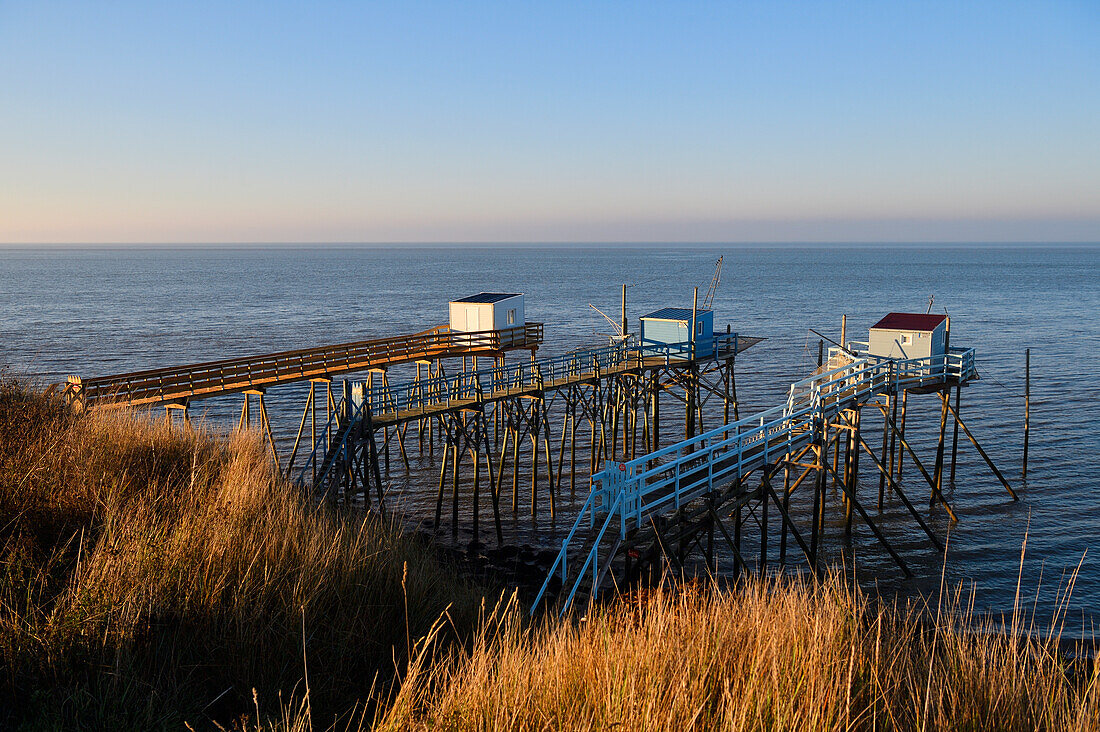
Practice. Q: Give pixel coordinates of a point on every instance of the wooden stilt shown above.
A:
(954, 438)
(786, 504)
(874, 529)
(764, 522)
(573, 456)
(937, 474)
(457, 456)
(1027, 408)
(885, 448)
(920, 467)
(901, 430)
(988, 460)
(477, 491)
(515, 469)
(534, 473)
(897, 489)
(439, 495)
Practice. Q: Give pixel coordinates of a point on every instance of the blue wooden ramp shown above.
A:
(628, 495)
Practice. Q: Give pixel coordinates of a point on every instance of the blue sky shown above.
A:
(377, 122)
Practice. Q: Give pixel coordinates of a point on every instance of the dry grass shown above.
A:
(770, 656)
(152, 575)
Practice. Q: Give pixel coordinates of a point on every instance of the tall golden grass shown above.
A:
(785, 655)
(154, 577)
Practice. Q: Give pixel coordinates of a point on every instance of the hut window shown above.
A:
(699, 328)
(906, 339)
(511, 316)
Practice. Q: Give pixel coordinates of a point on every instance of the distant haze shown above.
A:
(587, 122)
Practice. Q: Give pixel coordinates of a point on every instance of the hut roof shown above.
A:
(909, 321)
(673, 314)
(485, 297)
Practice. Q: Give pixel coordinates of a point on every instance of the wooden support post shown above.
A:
(561, 451)
(734, 544)
(301, 429)
(498, 482)
(897, 489)
(691, 374)
(330, 409)
(820, 353)
(515, 469)
(785, 506)
(836, 454)
(243, 422)
(853, 464)
(764, 520)
(267, 428)
(737, 520)
(573, 456)
(901, 430)
(787, 522)
(816, 532)
(457, 455)
(549, 469)
(477, 489)
(534, 472)
(955, 438)
(875, 530)
(987, 459)
(938, 472)
(495, 489)
(442, 482)
(920, 467)
(401, 430)
(624, 313)
(885, 449)
(1027, 408)
(726, 391)
(655, 430)
(712, 567)
(733, 392)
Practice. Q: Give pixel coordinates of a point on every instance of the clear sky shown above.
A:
(515, 121)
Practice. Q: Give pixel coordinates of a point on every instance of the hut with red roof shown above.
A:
(909, 335)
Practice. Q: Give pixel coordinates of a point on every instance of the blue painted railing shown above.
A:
(626, 494)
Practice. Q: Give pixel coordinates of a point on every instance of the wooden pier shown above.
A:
(653, 510)
(591, 421)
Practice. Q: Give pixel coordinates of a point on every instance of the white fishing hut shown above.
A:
(908, 335)
(487, 311)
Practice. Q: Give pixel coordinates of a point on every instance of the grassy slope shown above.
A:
(152, 576)
(148, 572)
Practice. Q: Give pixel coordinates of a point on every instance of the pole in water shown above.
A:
(820, 353)
(624, 312)
(1027, 406)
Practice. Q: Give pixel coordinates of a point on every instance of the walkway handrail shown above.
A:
(496, 381)
(638, 488)
(236, 374)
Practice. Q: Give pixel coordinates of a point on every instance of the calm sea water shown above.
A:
(98, 311)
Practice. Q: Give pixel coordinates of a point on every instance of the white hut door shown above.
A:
(472, 323)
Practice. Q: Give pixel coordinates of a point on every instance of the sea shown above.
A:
(97, 311)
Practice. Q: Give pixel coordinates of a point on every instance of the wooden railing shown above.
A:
(196, 381)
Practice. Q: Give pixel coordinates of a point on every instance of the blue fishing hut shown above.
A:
(692, 331)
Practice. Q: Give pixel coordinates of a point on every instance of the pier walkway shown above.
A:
(629, 495)
(369, 406)
(181, 384)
